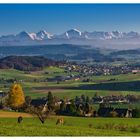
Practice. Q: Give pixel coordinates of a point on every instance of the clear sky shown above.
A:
(57, 18)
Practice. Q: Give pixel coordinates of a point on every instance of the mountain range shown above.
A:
(98, 39)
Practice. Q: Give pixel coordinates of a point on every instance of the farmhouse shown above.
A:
(38, 102)
(121, 112)
(2, 93)
(135, 71)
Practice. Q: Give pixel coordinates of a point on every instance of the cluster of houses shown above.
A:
(101, 69)
(103, 111)
(63, 78)
(110, 99)
(120, 112)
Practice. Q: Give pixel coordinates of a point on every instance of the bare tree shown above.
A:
(38, 111)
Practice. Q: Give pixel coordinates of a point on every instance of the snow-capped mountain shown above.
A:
(73, 36)
(70, 34)
(43, 35)
(24, 36)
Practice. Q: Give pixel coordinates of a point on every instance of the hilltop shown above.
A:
(26, 63)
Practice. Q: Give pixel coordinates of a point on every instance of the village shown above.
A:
(104, 69)
(80, 106)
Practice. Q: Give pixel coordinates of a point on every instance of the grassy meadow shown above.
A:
(73, 126)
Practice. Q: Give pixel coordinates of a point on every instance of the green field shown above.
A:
(34, 83)
(73, 126)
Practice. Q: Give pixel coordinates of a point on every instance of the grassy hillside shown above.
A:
(35, 84)
(73, 126)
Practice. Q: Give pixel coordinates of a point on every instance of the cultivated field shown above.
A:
(34, 83)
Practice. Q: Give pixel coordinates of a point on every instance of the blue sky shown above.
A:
(57, 18)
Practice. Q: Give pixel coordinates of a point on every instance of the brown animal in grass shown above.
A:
(60, 121)
(19, 119)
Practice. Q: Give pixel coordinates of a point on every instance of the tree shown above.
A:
(95, 95)
(87, 99)
(39, 112)
(62, 107)
(71, 108)
(77, 99)
(136, 113)
(16, 96)
(51, 102)
(86, 108)
(28, 100)
(83, 98)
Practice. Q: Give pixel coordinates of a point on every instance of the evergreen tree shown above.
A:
(86, 108)
(62, 107)
(71, 108)
(83, 98)
(136, 113)
(28, 100)
(77, 99)
(87, 99)
(51, 102)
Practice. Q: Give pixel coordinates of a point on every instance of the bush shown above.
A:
(113, 114)
(136, 113)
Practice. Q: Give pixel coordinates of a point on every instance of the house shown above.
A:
(55, 79)
(1, 93)
(38, 102)
(135, 71)
(121, 112)
(88, 114)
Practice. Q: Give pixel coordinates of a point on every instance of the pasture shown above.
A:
(35, 84)
(73, 126)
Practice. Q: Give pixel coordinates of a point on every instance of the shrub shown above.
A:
(113, 114)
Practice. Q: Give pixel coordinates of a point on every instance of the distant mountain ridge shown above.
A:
(114, 39)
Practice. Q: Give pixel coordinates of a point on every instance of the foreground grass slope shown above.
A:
(74, 126)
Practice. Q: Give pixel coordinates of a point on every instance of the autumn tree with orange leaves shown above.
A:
(16, 96)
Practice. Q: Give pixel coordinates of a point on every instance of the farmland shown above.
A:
(35, 84)
(74, 126)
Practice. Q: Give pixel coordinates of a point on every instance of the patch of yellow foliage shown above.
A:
(16, 96)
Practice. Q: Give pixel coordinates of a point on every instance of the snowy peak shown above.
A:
(43, 35)
(132, 35)
(100, 35)
(25, 36)
(70, 36)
